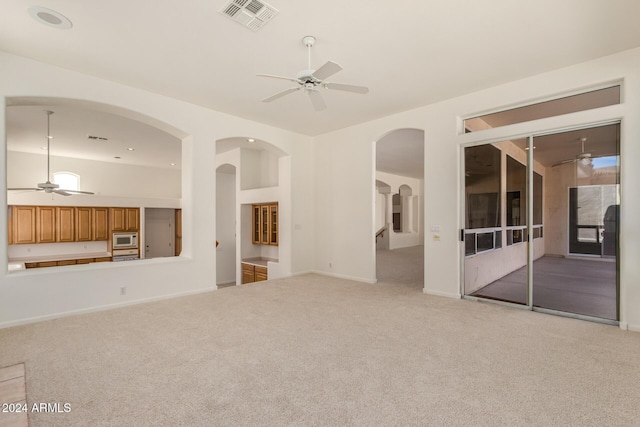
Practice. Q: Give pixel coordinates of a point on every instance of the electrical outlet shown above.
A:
(123, 290)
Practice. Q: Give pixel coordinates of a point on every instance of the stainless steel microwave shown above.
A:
(125, 240)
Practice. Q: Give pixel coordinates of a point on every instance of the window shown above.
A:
(555, 107)
(67, 180)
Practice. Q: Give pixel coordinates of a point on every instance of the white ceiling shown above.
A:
(71, 127)
(409, 53)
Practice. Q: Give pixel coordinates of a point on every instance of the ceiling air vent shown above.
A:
(252, 14)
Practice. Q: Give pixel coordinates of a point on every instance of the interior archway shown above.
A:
(399, 200)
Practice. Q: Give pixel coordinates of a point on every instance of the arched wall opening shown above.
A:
(399, 202)
(126, 159)
(225, 216)
(262, 204)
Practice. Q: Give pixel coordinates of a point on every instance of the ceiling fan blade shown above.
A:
(61, 192)
(281, 94)
(25, 189)
(563, 162)
(316, 100)
(272, 76)
(347, 88)
(327, 70)
(75, 191)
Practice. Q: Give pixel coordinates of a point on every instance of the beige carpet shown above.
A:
(312, 350)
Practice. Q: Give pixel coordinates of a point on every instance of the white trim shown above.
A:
(441, 294)
(102, 308)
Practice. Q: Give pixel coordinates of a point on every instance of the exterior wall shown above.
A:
(345, 171)
(37, 295)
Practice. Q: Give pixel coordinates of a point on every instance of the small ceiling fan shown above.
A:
(311, 80)
(48, 186)
(583, 157)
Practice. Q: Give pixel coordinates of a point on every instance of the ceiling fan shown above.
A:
(583, 157)
(311, 80)
(48, 186)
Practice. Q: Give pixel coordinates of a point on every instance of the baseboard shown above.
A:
(101, 308)
(441, 294)
(632, 328)
(624, 326)
(342, 276)
(228, 282)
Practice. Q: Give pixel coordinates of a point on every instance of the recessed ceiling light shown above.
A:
(50, 17)
(251, 140)
(173, 164)
(130, 149)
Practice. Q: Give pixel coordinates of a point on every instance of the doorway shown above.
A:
(541, 222)
(399, 196)
(226, 225)
(159, 232)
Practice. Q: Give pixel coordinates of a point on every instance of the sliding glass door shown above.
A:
(576, 272)
(495, 256)
(541, 229)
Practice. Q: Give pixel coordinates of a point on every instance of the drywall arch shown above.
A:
(263, 175)
(399, 165)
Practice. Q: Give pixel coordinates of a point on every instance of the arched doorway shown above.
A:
(399, 234)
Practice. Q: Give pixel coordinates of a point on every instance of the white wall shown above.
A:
(35, 295)
(102, 178)
(345, 172)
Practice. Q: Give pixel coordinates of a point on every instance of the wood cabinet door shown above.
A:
(260, 274)
(84, 224)
(23, 220)
(273, 225)
(46, 224)
(65, 221)
(118, 219)
(132, 219)
(256, 225)
(264, 225)
(100, 223)
(248, 274)
(178, 233)
(9, 225)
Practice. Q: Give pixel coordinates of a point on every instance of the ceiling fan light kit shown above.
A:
(311, 80)
(48, 186)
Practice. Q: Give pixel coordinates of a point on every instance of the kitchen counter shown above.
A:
(260, 262)
(59, 257)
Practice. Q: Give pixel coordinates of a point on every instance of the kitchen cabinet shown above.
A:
(253, 273)
(45, 224)
(51, 224)
(84, 224)
(66, 225)
(273, 225)
(9, 225)
(100, 227)
(23, 220)
(43, 264)
(178, 233)
(125, 219)
(92, 224)
(265, 224)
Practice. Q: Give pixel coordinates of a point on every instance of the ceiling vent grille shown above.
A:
(252, 14)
